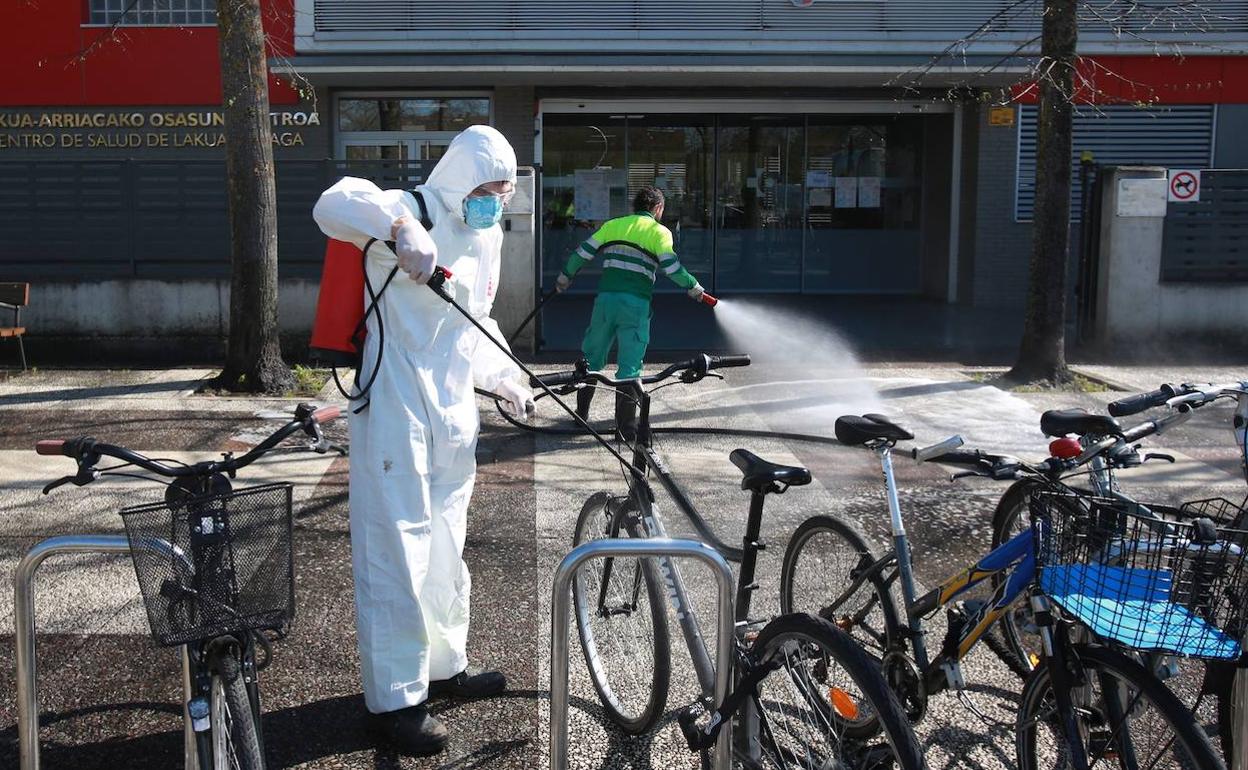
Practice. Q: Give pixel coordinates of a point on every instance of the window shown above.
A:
(153, 13)
(421, 114)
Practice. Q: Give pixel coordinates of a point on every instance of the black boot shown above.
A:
(472, 682)
(412, 730)
(626, 415)
(583, 397)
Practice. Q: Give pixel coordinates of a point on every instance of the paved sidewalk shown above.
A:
(110, 699)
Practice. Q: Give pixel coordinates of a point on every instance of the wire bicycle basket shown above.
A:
(231, 568)
(1153, 578)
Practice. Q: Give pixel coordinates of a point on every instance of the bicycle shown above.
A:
(1089, 697)
(792, 718)
(1105, 447)
(215, 566)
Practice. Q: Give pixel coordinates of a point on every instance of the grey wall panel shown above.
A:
(704, 18)
(1119, 135)
(1230, 150)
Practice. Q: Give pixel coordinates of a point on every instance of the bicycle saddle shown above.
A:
(853, 430)
(1063, 422)
(759, 474)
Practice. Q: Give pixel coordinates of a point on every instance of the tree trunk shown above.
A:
(254, 357)
(1042, 355)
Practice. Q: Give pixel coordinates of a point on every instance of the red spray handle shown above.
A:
(708, 300)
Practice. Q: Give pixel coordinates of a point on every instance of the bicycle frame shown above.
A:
(647, 460)
(1014, 558)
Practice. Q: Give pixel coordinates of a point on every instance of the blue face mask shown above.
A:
(483, 211)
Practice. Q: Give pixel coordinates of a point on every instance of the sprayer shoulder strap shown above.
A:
(425, 221)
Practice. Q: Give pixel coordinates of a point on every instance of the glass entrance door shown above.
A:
(756, 203)
(863, 220)
(759, 204)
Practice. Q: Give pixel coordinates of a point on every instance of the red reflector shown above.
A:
(1065, 448)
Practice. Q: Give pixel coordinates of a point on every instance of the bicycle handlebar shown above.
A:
(697, 367)
(1175, 395)
(937, 450)
(1142, 401)
(50, 446)
(87, 451)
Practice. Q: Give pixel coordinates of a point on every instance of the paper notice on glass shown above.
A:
(869, 192)
(821, 196)
(846, 192)
(818, 178)
(592, 195)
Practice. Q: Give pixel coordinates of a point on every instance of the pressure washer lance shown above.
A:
(516, 335)
(437, 283)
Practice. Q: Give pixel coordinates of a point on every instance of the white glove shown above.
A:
(696, 292)
(417, 253)
(519, 401)
(562, 283)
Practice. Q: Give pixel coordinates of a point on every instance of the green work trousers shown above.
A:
(618, 318)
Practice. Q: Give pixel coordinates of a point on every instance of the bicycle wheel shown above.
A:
(621, 619)
(233, 732)
(822, 685)
(823, 558)
(1125, 716)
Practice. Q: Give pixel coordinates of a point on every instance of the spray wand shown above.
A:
(438, 284)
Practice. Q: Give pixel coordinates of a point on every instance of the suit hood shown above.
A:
(477, 155)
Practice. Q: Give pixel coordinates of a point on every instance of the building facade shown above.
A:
(807, 147)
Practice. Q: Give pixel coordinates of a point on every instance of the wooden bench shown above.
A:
(15, 296)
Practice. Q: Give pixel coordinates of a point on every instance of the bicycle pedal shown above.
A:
(697, 737)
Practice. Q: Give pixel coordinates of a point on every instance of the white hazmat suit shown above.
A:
(412, 449)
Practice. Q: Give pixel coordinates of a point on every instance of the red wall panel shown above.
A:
(44, 41)
(1159, 80)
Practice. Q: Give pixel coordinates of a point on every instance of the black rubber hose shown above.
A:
(677, 431)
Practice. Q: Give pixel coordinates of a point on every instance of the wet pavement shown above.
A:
(110, 698)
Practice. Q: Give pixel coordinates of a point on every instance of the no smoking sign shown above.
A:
(1184, 185)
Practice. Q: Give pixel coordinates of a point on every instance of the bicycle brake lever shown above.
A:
(83, 477)
(1159, 456)
(62, 481)
(963, 475)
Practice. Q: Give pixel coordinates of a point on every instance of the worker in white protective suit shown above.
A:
(412, 448)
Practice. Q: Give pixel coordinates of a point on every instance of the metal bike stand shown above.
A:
(559, 630)
(24, 639)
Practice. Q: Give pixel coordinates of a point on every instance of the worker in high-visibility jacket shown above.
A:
(632, 249)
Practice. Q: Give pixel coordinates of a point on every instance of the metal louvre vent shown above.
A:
(1119, 135)
(694, 18)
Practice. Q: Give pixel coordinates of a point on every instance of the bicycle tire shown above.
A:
(851, 541)
(595, 518)
(1106, 665)
(798, 632)
(236, 744)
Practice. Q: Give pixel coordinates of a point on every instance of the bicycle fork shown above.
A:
(1063, 679)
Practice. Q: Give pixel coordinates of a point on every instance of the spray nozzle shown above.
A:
(708, 300)
(438, 280)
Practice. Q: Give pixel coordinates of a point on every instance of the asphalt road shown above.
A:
(109, 698)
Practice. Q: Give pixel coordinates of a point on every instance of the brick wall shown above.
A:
(514, 108)
(1002, 247)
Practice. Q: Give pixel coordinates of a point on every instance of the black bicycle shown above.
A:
(216, 569)
(798, 680)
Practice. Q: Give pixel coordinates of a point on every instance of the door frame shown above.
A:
(341, 138)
